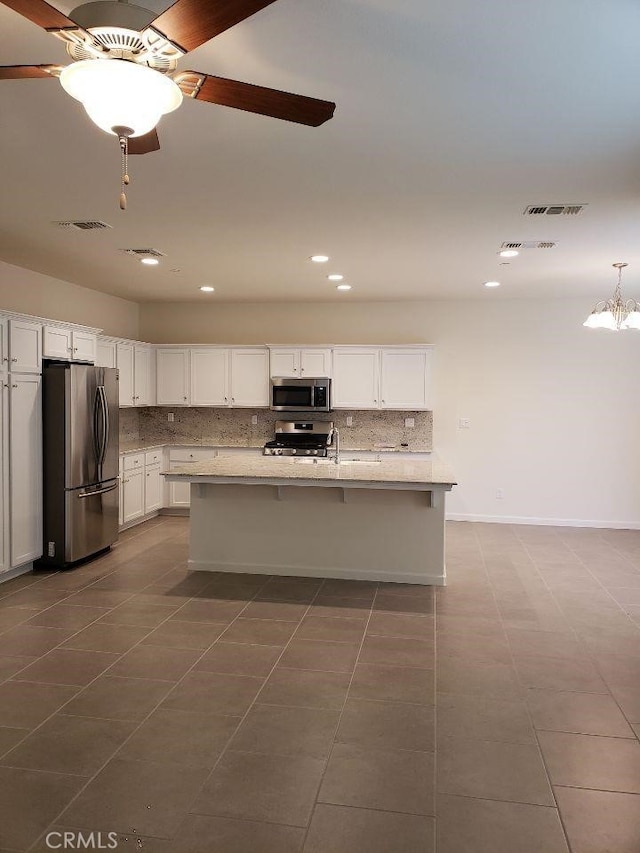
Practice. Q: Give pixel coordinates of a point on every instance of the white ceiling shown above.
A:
(452, 116)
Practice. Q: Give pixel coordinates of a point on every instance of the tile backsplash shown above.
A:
(233, 427)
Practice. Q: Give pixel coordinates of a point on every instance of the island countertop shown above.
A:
(419, 474)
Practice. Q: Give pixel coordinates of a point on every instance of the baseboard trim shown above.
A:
(15, 573)
(542, 522)
(324, 572)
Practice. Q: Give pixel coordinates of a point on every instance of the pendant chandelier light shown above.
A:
(615, 314)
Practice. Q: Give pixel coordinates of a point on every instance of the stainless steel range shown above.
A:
(300, 438)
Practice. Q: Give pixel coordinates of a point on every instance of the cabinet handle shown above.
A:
(4, 358)
(375, 401)
(75, 349)
(6, 384)
(14, 359)
(14, 385)
(233, 399)
(225, 399)
(184, 398)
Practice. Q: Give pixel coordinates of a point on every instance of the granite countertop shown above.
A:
(139, 445)
(388, 473)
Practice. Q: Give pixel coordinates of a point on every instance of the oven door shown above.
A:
(292, 395)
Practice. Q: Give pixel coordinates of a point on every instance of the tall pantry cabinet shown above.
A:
(20, 442)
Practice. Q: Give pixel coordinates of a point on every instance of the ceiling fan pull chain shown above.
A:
(124, 151)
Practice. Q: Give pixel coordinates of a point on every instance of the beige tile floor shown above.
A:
(202, 713)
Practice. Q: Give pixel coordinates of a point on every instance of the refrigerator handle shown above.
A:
(97, 422)
(105, 424)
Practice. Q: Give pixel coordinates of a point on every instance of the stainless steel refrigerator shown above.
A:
(80, 433)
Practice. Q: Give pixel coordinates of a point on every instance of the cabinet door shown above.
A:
(25, 468)
(84, 346)
(152, 488)
(4, 476)
(25, 347)
(405, 378)
(172, 381)
(142, 376)
(57, 343)
(355, 378)
(124, 361)
(180, 494)
(250, 377)
(121, 491)
(106, 354)
(132, 496)
(315, 362)
(284, 362)
(210, 377)
(4, 346)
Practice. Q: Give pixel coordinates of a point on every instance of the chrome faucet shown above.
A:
(336, 438)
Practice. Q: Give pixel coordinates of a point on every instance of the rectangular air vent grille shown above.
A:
(529, 244)
(83, 224)
(149, 253)
(554, 209)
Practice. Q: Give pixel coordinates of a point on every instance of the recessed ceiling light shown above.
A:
(492, 284)
(343, 287)
(207, 289)
(509, 253)
(150, 262)
(335, 277)
(320, 259)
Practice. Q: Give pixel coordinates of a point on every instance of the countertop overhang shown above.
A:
(415, 475)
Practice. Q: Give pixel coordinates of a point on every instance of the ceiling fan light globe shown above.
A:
(116, 93)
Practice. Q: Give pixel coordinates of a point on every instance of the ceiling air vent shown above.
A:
(554, 209)
(529, 244)
(83, 225)
(148, 253)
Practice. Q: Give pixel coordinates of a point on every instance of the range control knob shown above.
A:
(308, 452)
(293, 452)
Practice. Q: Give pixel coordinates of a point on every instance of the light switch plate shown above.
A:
(349, 420)
(254, 419)
(409, 423)
(464, 423)
(170, 417)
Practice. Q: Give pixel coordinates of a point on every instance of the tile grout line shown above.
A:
(340, 714)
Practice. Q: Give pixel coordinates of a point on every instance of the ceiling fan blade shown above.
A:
(144, 144)
(257, 99)
(41, 13)
(190, 23)
(26, 72)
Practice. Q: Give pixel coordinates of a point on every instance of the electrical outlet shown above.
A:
(464, 423)
(170, 417)
(499, 494)
(254, 419)
(349, 420)
(409, 423)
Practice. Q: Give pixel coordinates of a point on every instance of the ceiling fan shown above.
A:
(124, 67)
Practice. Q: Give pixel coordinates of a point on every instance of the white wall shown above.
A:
(30, 292)
(554, 407)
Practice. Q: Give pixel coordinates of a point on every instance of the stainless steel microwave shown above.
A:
(301, 395)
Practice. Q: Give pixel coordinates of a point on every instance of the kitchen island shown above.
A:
(359, 519)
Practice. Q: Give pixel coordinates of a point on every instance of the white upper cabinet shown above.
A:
(172, 377)
(57, 342)
(64, 343)
(143, 375)
(210, 377)
(4, 345)
(299, 363)
(124, 363)
(405, 378)
(25, 346)
(356, 378)
(106, 353)
(250, 377)
(84, 346)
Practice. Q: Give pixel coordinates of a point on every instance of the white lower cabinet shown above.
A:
(5, 560)
(179, 494)
(132, 495)
(152, 489)
(25, 468)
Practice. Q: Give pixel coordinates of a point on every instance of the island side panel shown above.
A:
(319, 531)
